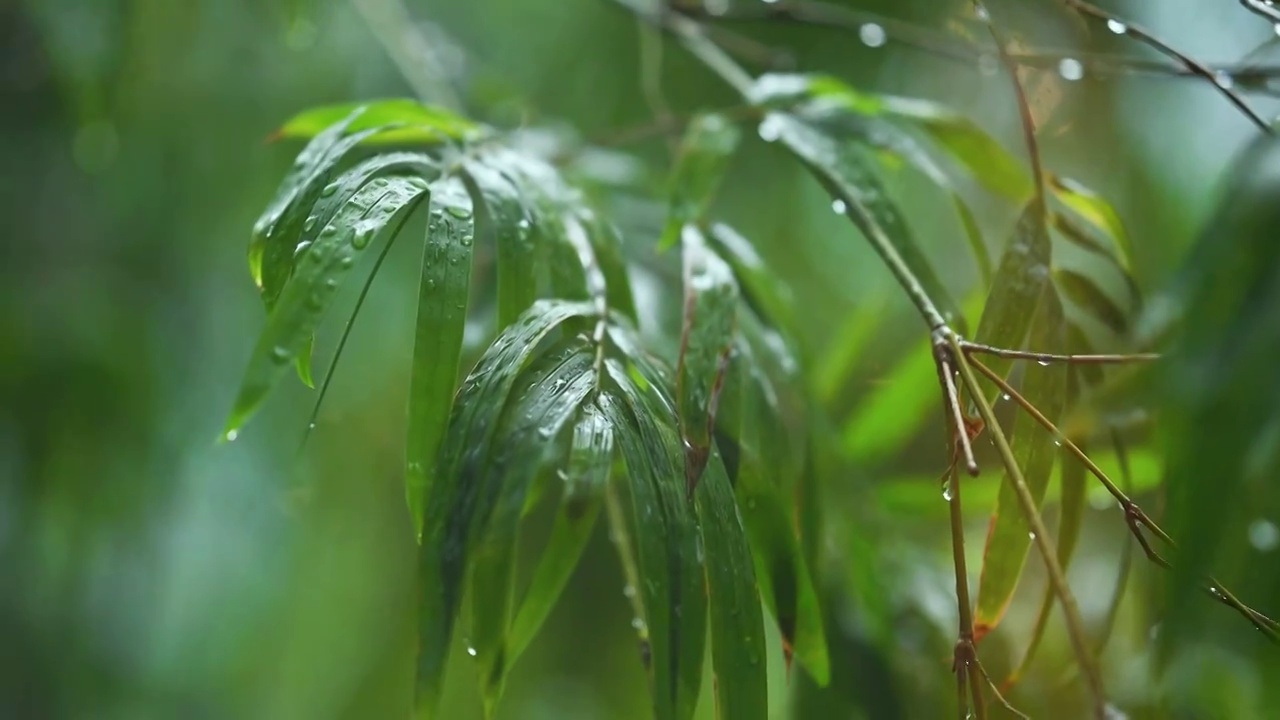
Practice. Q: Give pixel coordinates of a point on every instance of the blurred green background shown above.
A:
(147, 572)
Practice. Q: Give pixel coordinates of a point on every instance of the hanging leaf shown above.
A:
(1095, 210)
(505, 218)
(437, 348)
(462, 500)
(307, 294)
(1009, 538)
(737, 627)
(585, 477)
(669, 552)
(406, 122)
(708, 144)
(556, 385)
(710, 316)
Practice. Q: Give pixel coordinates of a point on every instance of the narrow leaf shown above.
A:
(308, 293)
(463, 499)
(437, 347)
(411, 122)
(710, 317)
(737, 626)
(708, 144)
(1094, 209)
(508, 218)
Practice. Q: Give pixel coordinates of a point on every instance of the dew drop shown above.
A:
(471, 651)
(459, 212)
(361, 239)
(232, 435)
(838, 207)
(347, 262)
(1070, 69)
(1031, 536)
(329, 189)
(769, 130)
(1005, 397)
(629, 591)
(1042, 363)
(1117, 27)
(981, 12)
(1264, 536)
(301, 248)
(280, 353)
(946, 492)
(639, 625)
(310, 224)
(523, 224)
(1223, 80)
(872, 35)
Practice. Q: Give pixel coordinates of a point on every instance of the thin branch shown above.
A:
(1040, 535)
(1195, 67)
(1047, 358)
(409, 50)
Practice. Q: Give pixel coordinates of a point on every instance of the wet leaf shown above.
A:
(585, 477)
(710, 318)
(507, 219)
(548, 399)
(462, 501)
(669, 551)
(1009, 538)
(443, 293)
(327, 261)
(405, 122)
(737, 626)
(1095, 210)
(708, 144)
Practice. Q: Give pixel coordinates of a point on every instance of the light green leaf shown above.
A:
(1095, 210)
(708, 144)
(710, 318)
(404, 121)
(463, 499)
(737, 626)
(307, 294)
(761, 286)
(437, 348)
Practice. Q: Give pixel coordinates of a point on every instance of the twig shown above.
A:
(1047, 358)
(1195, 67)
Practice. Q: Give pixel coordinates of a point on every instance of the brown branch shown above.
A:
(1046, 358)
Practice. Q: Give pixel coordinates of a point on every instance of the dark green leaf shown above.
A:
(437, 348)
(710, 318)
(462, 500)
(670, 556)
(404, 121)
(508, 219)
(709, 142)
(1035, 450)
(585, 477)
(549, 398)
(307, 294)
(1084, 292)
(737, 627)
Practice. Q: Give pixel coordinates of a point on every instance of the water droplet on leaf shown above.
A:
(872, 35)
(838, 206)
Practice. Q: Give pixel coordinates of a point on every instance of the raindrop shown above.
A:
(311, 426)
(872, 35)
(523, 224)
(329, 189)
(1005, 397)
(946, 492)
(310, 224)
(1070, 69)
(838, 206)
(1223, 79)
(459, 212)
(301, 248)
(232, 435)
(981, 12)
(1042, 363)
(629, 591)
(347, 262)
(280, 354)
(1031, 536)
(1117, 27)
(1057, 443)
(769, 130)
(639, 625)
(471, 651)
(1277, 29)
(431, 283)
(1264, 536)
(361, 238)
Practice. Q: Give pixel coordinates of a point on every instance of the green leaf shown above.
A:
(708, 144)
(1020, 281)
(404, 121)
(710, 317)
(606, 243)
(508, 219)
(761, 286)
(307, 294)
(846, 174)
(585, 477)
(973, 234)
(1095, 210)
(462, 500)
(1035, 450)
(737, 627)
(669, 551)
(548, 399)
(437, 347)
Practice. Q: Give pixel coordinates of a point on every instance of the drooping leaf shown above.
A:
(670, 555)
(585, 477)
(442, 316)
(708, 144)
(737, 626)
(1096, 211)
(845, 173)
(557, 384)
(606, 243)
(463, 498)
(1020, 281)
(1009, 538)
(306, 296)
(973, 234)
(407, 122)
(508, 221)
(710, 317)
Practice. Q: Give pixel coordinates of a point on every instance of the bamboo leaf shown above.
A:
(761, 287)
(508, 219)
(1095, 210)
(585, 477)
(407, 122)
(1009, 539)
(708, 144)
(556, 385)
(461, 502)
(307, 294)
(710, 317)
(737, 626)
(669, 550)
(437, 348)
